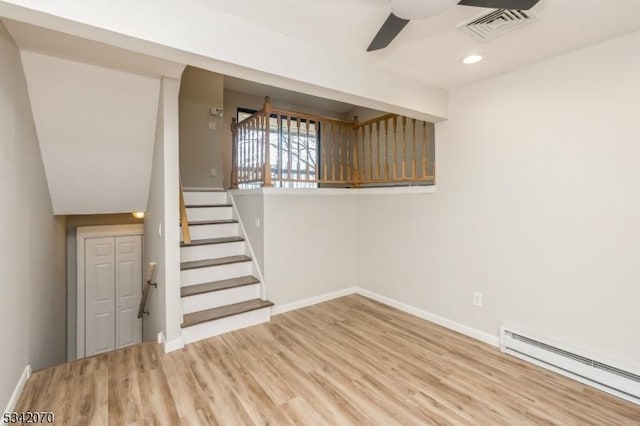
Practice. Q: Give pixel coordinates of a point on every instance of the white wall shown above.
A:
(309, 245)
(201, 148)
(250, 205)
(32, 287)
(96, 128)
(162, 239)
(536, 207)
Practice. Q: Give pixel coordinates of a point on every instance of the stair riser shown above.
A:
(209, 213)
(205, 197)
(215, 273)
(211, 251)
(214, 299)
(202, 232)
(225, 325)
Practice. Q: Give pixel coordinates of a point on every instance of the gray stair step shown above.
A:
(211, 241)
(195, 289)
(197, 206)
(212, 222)
(213, 262)
(224, 311)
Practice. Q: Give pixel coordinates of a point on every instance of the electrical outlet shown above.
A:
(212, 125)
(213, 172)
(477, 299)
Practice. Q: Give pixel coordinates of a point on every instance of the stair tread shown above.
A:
(205, 190)
(195, 289)
(208, 241)
(196, 206)
(212, 222)
(224, 311)
(195, 264)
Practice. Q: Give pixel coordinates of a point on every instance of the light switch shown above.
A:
(212, 125)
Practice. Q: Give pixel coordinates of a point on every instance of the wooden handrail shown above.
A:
(150, 280)
(184, 221)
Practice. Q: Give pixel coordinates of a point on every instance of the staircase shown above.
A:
(220, 290)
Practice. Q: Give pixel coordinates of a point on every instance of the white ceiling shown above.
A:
(431, 50)
(61, 45)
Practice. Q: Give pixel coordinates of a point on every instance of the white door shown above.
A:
(113, 280)
(100, 295)
(128, 290)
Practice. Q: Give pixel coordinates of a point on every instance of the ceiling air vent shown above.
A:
(493, 24)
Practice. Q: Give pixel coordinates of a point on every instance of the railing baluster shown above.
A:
(379, 175)
(355, 172)
(424, 149)
(386, 150)
(278, 151)
(340, 154)
(316, 125)
(333, 152)
(414, 174)
(298, 150)
(324, 150)
(306, 144)
(267, 179)
(395, 148)
(370, 152)
(289, 151)
(404, 147)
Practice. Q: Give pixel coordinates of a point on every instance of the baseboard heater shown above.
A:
(569, 362)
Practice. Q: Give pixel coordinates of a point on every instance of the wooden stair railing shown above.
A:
(150, 280)
(184, 220)
(279, 147)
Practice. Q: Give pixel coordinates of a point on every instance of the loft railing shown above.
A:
(277, 147)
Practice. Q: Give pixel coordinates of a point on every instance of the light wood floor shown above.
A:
(347, 361)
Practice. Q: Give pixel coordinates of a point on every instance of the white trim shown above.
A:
(199, 188)
(252, 254)
(172, 345)
(82, 233)
(17, 391)
(385, 190)
(280, 309)
(474, 333)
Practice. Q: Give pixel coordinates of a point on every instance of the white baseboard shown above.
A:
(173, 345)
(436, 319)
(11, 405)
(201, 188)
(280, 309)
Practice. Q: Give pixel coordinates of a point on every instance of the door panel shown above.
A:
(128, 268)
(100, 292)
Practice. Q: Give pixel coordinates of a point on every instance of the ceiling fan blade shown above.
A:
(389, 30)
(501, 4)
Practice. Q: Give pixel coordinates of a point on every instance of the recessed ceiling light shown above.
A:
(472, 59)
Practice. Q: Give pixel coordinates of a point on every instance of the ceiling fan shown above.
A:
(402, 11)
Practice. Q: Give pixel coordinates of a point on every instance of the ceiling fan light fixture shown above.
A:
(472, 59)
